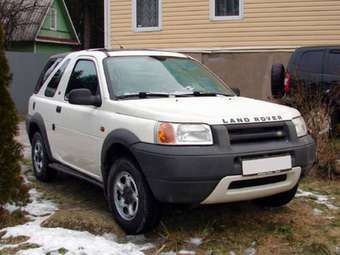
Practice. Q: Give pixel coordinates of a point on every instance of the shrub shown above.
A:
(11, 183)
(317, 107)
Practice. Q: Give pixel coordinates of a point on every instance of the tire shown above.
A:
(130, 199)
(278, 200)
(278, 79)
(40, 160)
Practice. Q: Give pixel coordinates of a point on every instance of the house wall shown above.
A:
(63, 26)
(251, 71)
(266, 23)
(50, 48)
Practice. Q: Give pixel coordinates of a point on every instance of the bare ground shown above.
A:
(305, 226)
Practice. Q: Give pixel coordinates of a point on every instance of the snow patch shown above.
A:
(317, 212)
(251, 250)
(319, 199)
(182, 252)
(51, 240)
(11, 207)
(195, 241)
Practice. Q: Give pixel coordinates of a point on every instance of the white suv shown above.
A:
(154, 127)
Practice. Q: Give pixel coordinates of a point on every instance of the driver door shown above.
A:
(79, 128)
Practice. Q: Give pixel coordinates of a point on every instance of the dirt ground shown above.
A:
(310, 224)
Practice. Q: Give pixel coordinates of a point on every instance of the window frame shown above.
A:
(212, 13)
(72, 70)
(62, 65)
(146, 29)
(51, 63)
(53, 18)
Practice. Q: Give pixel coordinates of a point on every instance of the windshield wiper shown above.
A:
(143, 95)
(203, 94)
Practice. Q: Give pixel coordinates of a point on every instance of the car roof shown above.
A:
(319, 47)
(123, 52)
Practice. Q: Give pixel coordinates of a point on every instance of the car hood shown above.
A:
(209, 110)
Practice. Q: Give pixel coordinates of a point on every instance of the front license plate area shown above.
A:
(266, 165)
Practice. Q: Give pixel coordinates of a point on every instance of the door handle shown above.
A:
(58, 109)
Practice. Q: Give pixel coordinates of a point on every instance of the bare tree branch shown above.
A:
(16, 14)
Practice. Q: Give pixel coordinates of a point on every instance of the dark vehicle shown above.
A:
(317, 67)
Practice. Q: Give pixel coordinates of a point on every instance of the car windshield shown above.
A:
(160, 76)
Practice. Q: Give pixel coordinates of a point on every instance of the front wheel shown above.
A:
(40, 160)
(278, 200)
(130, 198)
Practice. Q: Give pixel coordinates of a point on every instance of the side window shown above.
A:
(333, 65)
(48, 69)
(52, 86)
(311, 61)
(84, 76)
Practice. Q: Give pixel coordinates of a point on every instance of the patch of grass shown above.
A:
(316, 249)
(8, 219)
(83, 220)
(61, 251)
(14, 240)
(15, 250)
(285, 230)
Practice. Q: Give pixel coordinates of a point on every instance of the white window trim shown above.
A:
(218, 18)
(146, 29)
(53, 28)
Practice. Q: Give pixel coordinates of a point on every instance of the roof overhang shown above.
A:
(46, 39)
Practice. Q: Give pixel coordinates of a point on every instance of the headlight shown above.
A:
(183, 134)
(300, 126)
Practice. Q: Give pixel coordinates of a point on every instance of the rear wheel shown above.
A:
(40, 160)
(278, 200)
(130, 198)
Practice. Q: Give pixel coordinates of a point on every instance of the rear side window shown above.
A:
(333, 64)
(52, 86)
(48, 69)
(84, 76)
(311, 61)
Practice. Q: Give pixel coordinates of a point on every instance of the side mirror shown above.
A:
(237, 91)
(278, 79)
(84, 97)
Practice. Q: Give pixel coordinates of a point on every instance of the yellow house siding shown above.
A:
(266, 23)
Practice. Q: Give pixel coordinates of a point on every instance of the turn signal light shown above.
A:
(166, 134)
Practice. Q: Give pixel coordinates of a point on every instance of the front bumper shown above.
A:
(224, 192)
(192, 174)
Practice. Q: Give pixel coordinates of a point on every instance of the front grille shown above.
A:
(257, 133)
(257, 182)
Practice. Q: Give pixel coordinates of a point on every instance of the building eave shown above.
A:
(56, 40)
